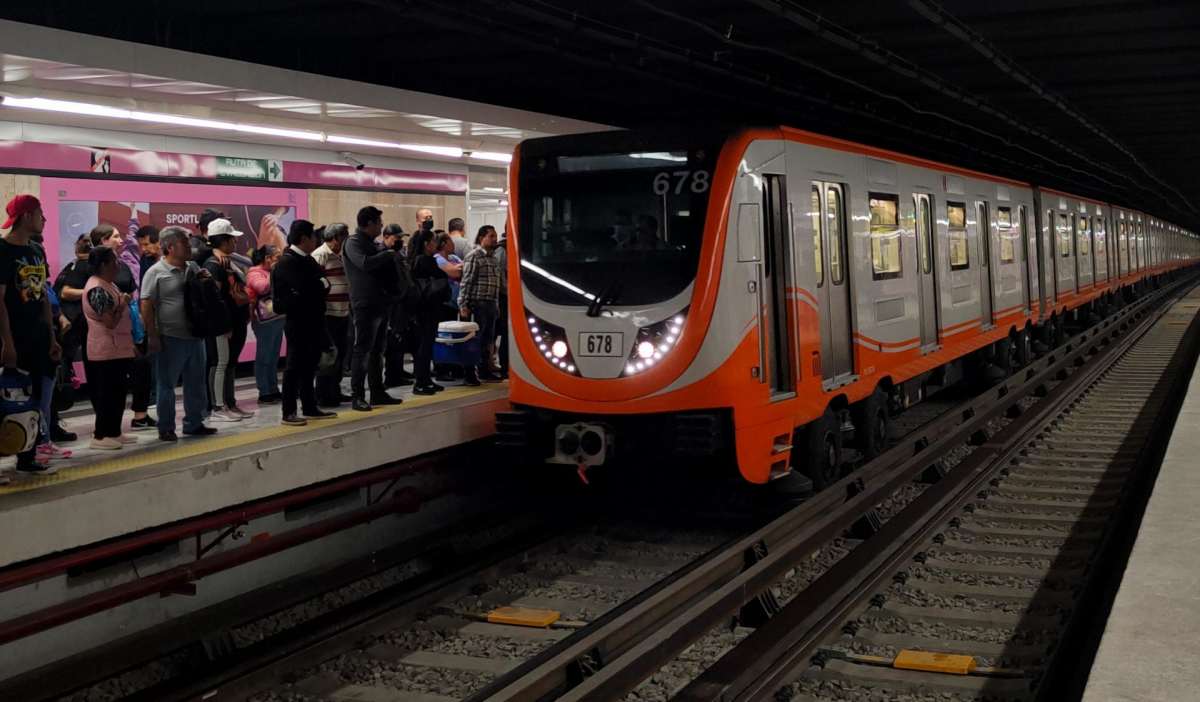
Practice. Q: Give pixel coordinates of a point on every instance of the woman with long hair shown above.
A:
(110, 349)
(434, 287)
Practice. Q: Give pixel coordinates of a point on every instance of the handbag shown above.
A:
(433, 290)
(325, 365)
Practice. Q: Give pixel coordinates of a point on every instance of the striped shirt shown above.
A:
(338, 302)
(480, 278)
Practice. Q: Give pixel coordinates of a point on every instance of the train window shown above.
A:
(833, 224)
(1064, 236)
(956, 220)
(1008, 234)
(818, 255)
(1101, 245)
(925, 240)
(1085, 236)
(885, 236)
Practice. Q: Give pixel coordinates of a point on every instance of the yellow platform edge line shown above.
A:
(190, 448)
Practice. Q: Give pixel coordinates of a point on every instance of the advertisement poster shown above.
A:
(74, 206)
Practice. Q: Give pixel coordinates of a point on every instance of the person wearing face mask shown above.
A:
(371, 274)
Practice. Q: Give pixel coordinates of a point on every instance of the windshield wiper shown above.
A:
(607, 296)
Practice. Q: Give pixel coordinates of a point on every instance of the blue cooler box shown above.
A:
(457, 343)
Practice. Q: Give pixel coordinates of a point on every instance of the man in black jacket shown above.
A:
(371, 274)
(298, 289)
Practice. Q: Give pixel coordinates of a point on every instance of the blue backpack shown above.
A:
(19, 415)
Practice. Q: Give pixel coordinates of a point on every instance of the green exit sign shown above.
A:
(232, 168)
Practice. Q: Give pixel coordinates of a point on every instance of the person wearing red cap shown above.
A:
(26, 331)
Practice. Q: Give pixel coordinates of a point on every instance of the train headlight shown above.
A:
(551, 343)
(654, 343)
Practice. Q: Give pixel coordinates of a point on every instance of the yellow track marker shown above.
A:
(523, 616)
(190, 448)
(949, 663)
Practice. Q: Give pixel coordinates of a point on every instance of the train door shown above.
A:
(777, 278)
(927, 288)
(985, 266)
(837, 349)
(1029, 253)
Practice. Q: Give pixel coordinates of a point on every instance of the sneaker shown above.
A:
(105, 444)
(200, 431)
(34, 467)
(245, 414)
(320, 414)
(143, 424)
(5, 478)
(224, 415)
(49, 451)
(60, 434)
(293, 421)
(168, 436)
(126, 440)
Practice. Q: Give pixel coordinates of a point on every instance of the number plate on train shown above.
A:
(601, 344)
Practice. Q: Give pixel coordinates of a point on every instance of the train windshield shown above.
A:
(624, 225)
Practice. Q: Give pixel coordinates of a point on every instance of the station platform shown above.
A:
(1144, 655)
(98, 495)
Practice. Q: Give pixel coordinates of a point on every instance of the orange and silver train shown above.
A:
(762, 297)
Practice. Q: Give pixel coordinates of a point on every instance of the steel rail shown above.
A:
(652, 630)
(773, 654)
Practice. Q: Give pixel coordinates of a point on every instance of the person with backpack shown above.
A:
(173, 308)
(299, 289)
(223, 349)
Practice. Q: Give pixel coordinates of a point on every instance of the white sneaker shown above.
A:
(245, 414)
(5, 478)
(105, 444)
(224, 415)
(126, 439)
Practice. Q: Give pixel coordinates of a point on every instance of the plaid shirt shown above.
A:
(480, 278)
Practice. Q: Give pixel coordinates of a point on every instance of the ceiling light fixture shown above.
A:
(492, 156)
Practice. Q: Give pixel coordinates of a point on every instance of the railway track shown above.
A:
(998, 538)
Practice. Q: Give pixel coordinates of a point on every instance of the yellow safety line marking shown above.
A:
(188, 447)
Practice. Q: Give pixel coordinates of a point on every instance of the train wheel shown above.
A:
(1024, 348)
(872, 424)
(1005, 359)
(823, 452)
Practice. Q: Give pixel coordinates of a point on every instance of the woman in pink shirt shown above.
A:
(110, 350)
(268, 326)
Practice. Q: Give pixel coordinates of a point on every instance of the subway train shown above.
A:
(771, 297)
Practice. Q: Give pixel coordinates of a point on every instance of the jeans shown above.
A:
(304, 354)
(370, 331)
(181, 359)
(109, 383)
(269, 339)
(329, 384)
(485, 315)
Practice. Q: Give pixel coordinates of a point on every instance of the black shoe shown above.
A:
(200, 431)
(382, 398)
(146, 422)
(59, 435)
(318, 414)
(436, 387)
(272, 399)
(293, 421)
(360, 405)
(168, 436)
(471, 380)
(425, 390)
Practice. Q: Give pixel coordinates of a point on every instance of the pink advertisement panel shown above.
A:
(73, 206)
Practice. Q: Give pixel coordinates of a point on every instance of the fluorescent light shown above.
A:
(75, 108)
(451, 151)
(491, 189)
(492, 156)
(341, 139)
(660, 156)
(275, 131)
(161, 118)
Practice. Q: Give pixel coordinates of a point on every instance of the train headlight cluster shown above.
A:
(654, 343)
(551, 342)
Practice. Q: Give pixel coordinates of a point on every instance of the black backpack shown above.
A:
(206, 312)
